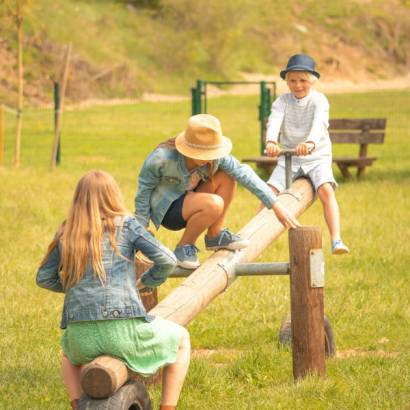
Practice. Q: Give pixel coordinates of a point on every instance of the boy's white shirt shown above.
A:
(301, 120)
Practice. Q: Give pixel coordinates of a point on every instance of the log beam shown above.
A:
(218, 271)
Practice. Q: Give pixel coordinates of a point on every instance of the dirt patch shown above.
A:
(344, 354)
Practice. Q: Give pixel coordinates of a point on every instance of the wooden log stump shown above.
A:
(103, 377)
(307, 310)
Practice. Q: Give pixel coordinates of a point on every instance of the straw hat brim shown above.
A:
(203, 154)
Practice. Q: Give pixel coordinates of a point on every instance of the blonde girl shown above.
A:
(91, 261)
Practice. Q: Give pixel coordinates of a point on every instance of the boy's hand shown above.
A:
(284, 216)
(305, 148)
(272, 149)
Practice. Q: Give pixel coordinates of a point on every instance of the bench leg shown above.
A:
(360, 172)
(343, 169)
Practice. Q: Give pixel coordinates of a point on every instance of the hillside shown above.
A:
(124, 48)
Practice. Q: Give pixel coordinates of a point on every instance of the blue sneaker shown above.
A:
(187, 256)
(339, 248)
(225, 240)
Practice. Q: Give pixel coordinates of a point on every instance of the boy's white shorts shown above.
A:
(318, 176)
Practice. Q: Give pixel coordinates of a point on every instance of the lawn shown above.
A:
(237, 363)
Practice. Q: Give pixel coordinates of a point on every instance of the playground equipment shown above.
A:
(216, 274)
(199, 99)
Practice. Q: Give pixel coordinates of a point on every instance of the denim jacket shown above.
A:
(118, 298)
(164, 177)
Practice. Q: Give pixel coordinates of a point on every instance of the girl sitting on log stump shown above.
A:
(91, 260)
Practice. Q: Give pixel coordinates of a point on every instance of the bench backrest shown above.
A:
(357, 131)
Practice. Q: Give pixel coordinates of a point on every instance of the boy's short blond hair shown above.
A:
(309, 76)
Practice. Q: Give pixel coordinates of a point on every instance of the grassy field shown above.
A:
(237, 363)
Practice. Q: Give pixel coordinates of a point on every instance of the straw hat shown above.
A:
(203, 139)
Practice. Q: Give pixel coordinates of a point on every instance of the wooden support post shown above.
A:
(58, 118)
(19, 125)
(2, 116)
(307, 311)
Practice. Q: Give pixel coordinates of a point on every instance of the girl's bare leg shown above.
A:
(71, 378)
(174, 374)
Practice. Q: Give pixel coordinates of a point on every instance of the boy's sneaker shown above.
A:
(225, 240)
(187, 256)
(339, 248)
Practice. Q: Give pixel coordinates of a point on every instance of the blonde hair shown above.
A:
(97, 201)
(309, 76)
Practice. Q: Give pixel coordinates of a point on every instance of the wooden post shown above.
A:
(2, 116)
(57, 128)
(307, 311)
(19, 24)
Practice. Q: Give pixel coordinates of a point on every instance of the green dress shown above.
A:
(142, 346)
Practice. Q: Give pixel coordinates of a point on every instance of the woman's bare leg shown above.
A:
(206, 207)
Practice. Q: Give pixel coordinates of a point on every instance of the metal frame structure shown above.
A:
(199, 95)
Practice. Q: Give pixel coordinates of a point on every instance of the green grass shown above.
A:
(367, 292)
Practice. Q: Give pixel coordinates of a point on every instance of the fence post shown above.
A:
(307, 310)
(2, 117)
(263, 114)
(56, 113)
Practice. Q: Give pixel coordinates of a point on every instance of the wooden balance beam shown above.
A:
(204, 284)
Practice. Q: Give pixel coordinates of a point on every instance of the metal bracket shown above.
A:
(317, 268)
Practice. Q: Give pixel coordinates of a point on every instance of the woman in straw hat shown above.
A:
(188, 182)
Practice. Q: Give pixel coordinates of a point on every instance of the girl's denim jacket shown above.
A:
(118, 297)
(164, 177)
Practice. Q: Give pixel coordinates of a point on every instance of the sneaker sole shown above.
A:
(234, 246)
(340, 251)
(188, 265)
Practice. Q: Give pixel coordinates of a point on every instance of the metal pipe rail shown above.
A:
(245, 269)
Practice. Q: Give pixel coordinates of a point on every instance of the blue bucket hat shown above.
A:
(300, 62)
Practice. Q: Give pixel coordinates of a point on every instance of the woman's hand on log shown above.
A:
(284, 216)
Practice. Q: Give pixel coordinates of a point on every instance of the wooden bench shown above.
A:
(361, 131)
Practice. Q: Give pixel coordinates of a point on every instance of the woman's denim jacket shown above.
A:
(164, 177)
(118, 298)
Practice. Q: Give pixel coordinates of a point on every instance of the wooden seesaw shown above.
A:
(103, 377)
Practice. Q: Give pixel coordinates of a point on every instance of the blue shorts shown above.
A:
(173, 219)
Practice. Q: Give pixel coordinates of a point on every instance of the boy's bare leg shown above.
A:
(206, 207)
(71, 378)
(327, 196)
(174, 374)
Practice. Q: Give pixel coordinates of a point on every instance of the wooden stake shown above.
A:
(307, 311)
(58, 120)
(19, 24)
(2, 116)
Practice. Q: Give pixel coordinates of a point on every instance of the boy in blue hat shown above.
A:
(299, 120)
